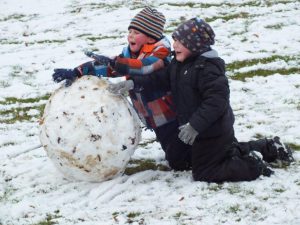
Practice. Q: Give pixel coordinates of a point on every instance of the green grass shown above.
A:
(94, 6)
(4, 84)
(145, 143)
(279, 190)
(234, 209)
(10, 42)
(50, 219)
(8, 191)
(13, 100)
(234, 189)
(275, 26)
(133, 214)
(100, 37)
(170, 28)
(13, 17)
(262, 72)
(209, 5)
(13, 42)
(214, 187)
(139, 165)
(179, 214)
(20, 113)
(294, 147)
(19, 17)
(228, 17)
(272, 2)
(244, 63)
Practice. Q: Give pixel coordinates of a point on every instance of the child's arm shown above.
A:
(155, 61)
(158, 80)
(215, 101)
(94, 68)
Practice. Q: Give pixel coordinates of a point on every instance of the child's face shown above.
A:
(136, 40)
(181, 52)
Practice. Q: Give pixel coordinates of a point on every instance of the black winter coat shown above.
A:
(200, 92)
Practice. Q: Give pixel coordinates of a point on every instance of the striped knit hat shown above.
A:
(150, 22)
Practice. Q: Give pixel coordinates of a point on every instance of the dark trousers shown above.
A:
(215, 159)
(178, 154)
(219, 159)
(263, 146)
(225, 159)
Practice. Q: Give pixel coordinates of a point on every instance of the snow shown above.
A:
(37, 36)
(88, 132)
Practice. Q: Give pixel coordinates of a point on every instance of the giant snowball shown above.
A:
(88, 132)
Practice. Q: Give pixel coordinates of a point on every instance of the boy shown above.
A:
(148, 50)
(196, 78)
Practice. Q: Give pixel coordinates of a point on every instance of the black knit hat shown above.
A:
(196, 35)
(150, 22)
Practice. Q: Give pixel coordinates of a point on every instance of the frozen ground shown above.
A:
(259, 40)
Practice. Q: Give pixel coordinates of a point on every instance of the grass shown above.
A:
(271, 2)
(13, 17)
(132, 217)
(215, 187)
(100, 37)
(4, 84)
(275, 26)
(13, 42)
(20, 113)
(94, 6)
(264, 73)
(13, 100)
(139, 165)
(178, 215)
(228, 17)
(133, 214)
(244, 63)
(294, 147)
(261, 72)
(209, 5)
(170, 28)
(234, 189)
(50, 219)
(234, 209)
(7, 193)
(145, 143)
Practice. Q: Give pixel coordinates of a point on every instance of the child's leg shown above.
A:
(177, 153)
(218, 160)
(272, 150)
(262, 146)
(165, 133)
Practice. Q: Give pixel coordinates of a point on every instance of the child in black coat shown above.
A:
(205, 140)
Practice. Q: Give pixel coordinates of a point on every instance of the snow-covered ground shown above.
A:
(255, 37)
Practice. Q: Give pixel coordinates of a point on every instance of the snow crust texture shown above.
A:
(88, 132)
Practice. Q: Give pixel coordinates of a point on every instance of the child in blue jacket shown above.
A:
(147, 51)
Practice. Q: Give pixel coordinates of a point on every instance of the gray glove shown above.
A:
(187, 134)
(121, 87)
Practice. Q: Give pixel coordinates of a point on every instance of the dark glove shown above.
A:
(65, 74)
(103, 60)
(121, 87)
(187, 134)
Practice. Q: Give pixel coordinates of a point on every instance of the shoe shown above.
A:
(262, 165)
(284, 153)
